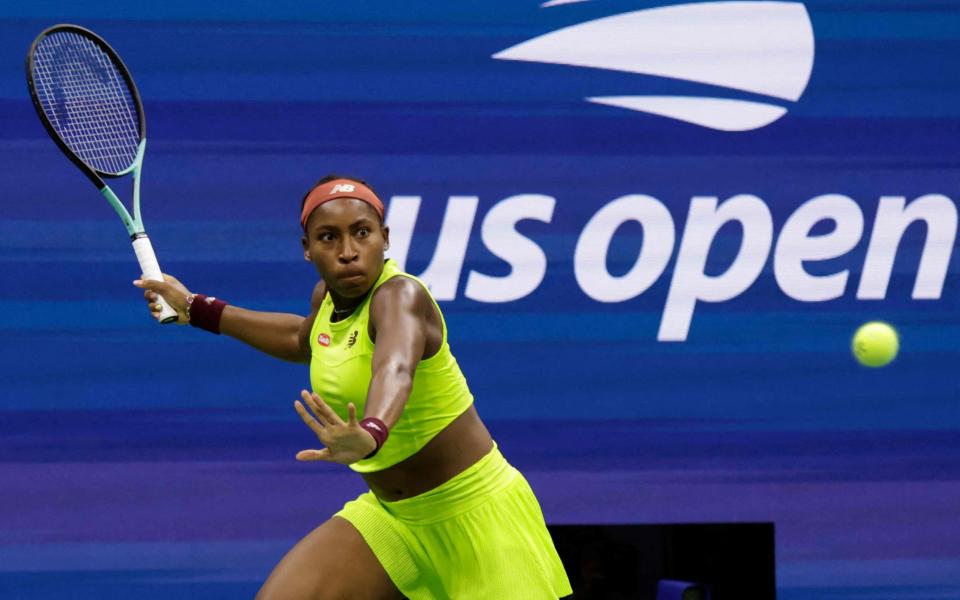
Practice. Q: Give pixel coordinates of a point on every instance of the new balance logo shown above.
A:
(352, 340)
(342, 187)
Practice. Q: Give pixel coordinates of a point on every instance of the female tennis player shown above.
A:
(446, 516)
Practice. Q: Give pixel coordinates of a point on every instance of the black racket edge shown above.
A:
(94, 175)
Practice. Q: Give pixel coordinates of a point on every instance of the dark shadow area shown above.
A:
(722, 561)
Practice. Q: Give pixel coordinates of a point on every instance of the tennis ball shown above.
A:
(875, 344)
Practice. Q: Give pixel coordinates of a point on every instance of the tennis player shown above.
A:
(446, 516)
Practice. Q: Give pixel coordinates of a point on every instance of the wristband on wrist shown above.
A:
(378, 429)
(205, 312)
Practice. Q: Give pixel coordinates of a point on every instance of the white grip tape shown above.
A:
(151, 270)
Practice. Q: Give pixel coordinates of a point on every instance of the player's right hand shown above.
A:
(174, 292)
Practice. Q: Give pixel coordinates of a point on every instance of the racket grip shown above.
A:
(151, 270)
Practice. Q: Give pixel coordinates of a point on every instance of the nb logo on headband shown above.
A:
(342, 187)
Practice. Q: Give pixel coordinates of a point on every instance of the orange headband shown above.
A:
(339, 188)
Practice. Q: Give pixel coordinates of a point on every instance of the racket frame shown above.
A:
(133, 223)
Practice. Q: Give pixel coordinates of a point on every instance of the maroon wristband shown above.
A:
(205, 312)
(378, 429)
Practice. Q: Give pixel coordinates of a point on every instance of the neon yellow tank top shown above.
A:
(340, 372)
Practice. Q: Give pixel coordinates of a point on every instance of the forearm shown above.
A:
(389, 390)
(276, 334)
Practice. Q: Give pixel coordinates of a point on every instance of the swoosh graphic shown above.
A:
(760, 47)
(764, 48)
(716, 113)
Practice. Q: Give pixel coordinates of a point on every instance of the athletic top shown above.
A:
(340, 372)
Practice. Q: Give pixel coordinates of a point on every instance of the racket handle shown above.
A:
(151, 270)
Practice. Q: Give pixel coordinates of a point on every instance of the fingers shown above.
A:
(308, 420)
(320, 408)
(148, 294)
(314, 455)
(351, 414)
(151, 285)
(152, 298)
(151, 293)
(169, 287)
(320, 416)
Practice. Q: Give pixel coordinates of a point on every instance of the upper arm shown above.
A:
(399, 316)
(316, 299)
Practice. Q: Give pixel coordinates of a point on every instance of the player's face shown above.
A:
(345, 241)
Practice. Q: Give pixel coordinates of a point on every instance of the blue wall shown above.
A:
(148, 462)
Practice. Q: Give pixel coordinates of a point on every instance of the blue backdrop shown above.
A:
(144, 462)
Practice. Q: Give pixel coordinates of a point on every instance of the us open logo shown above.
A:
(759, 57)
(763, 48)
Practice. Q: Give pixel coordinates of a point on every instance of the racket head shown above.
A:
(87, 100)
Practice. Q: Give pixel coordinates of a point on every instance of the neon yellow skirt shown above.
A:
(480, 535)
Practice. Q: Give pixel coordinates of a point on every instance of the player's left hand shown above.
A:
(346, 442)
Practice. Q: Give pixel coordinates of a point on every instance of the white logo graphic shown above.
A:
(789, 250)
(764, 48)
(342, 187)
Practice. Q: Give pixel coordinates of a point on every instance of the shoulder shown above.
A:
(403, 306)
(400, 293)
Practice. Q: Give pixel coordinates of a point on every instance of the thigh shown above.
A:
(331, 562)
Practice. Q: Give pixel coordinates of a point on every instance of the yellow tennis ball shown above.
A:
(875, 344)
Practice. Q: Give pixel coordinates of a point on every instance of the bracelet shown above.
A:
(205, 312)
(378, 429)
(188, 304)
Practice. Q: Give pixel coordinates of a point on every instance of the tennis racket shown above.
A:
(88, 103)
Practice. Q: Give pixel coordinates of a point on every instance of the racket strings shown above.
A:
(87, 101)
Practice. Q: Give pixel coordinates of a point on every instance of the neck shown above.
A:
(343, 307)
